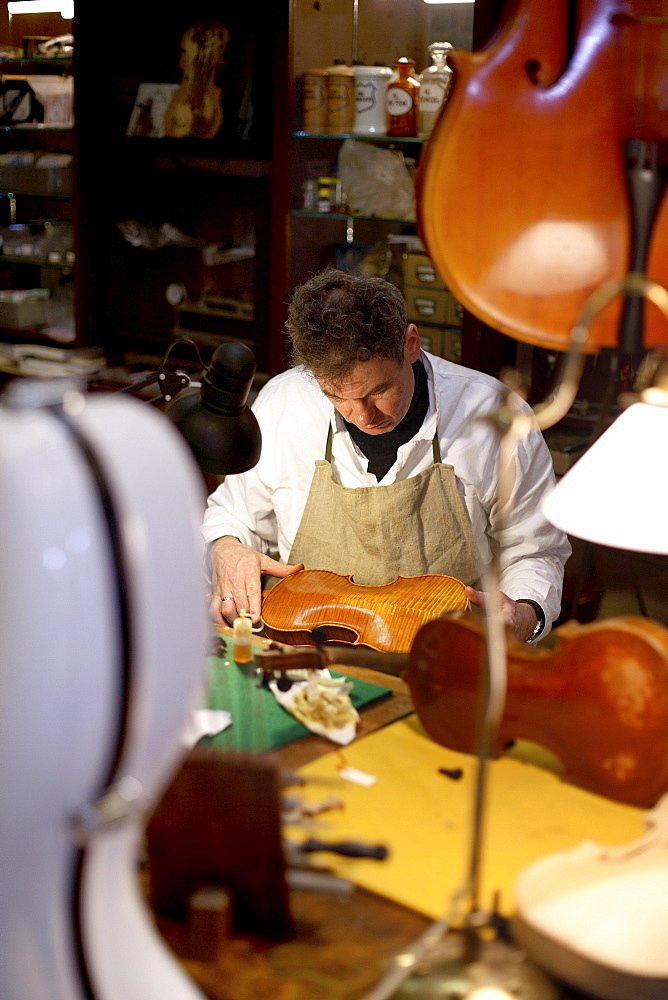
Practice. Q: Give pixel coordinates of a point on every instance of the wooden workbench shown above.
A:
(339, 945)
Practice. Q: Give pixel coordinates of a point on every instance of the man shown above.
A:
(378, 460)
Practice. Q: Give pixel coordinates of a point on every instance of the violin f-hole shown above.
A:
(557, 54)
(532, 68)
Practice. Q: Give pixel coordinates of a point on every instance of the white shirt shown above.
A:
(263, 507)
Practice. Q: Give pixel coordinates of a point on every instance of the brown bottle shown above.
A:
(401, 99)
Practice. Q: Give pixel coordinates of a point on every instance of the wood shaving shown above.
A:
(329, 707)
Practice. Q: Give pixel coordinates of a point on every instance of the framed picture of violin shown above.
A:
(215, 63)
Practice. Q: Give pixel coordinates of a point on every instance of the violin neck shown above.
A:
(395, 664)
(281, 657)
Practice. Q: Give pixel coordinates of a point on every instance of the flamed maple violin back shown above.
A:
(384, 617)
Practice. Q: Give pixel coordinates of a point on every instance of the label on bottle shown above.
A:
(340, 94)
(398, 101)
(365, 95)
(432, 95)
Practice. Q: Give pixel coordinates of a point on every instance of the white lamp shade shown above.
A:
(617, 493)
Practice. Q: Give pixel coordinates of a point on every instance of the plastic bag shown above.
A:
(376, 181)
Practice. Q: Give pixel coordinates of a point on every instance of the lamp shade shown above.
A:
(617, 493)
(222, 431)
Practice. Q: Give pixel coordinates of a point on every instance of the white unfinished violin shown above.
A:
(597, 917)
(104, 638)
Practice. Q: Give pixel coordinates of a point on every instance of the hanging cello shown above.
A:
(544, 176)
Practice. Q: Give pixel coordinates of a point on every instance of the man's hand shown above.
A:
(236, 570)
(521, 618)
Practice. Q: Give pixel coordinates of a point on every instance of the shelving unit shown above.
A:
(219, 190)
(37, 250)
(168, 210)
(315, 235)
(323, 237)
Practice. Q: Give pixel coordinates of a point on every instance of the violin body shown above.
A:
(598, 700)
(384, 617)
(595, 915)
(195, 109)
(523, 200)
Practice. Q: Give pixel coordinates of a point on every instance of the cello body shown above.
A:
(523, 197)
(598, 700)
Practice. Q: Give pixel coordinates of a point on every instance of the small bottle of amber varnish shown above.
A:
(241, 638)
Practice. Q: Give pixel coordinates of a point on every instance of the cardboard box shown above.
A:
(419, 272)
(431, 340)
(441, 341)
(436, 306)
(23, 315)
(36, 180)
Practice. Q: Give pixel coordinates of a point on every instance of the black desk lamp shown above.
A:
(213, 416)
(222, 431)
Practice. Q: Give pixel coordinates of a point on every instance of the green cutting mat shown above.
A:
(258, 721)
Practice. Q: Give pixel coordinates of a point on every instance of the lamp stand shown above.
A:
(475, 961)
(466, 966)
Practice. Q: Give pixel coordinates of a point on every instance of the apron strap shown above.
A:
(435, 447)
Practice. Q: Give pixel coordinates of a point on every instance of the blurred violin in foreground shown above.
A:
(597, 700)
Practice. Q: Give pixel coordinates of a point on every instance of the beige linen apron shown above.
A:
(375, 533)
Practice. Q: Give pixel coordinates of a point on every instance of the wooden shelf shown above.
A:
(349, 217)
(36, 66)
(376, 139)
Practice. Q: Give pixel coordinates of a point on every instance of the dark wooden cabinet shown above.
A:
(161, 224)
(36, 231)
(182, 236)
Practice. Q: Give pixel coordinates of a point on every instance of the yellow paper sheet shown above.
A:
(424, 818)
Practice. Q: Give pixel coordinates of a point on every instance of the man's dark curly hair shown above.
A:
(337, 320)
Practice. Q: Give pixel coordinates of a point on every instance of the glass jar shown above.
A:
(401, 99)
(435, 83)
(340, 98)
(314, 101)
(329, 194)
(370, 87)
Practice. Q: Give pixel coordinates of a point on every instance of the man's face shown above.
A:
(375, 395)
